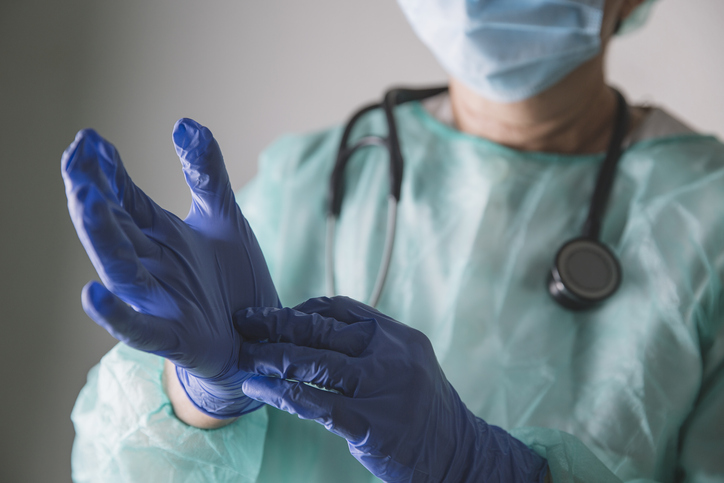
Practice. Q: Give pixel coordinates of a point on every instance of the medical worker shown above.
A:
(233, 368)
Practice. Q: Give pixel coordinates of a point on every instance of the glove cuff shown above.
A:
(218, 399)
(494, 448)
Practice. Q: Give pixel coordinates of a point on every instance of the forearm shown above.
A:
(182, 405)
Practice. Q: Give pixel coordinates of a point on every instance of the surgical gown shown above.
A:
(631, 390)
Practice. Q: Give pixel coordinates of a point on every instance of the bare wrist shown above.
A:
(182, 405)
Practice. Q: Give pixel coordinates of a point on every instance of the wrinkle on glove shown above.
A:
(170, 285)
(376, 383)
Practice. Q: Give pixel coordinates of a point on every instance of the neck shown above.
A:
(573, 117)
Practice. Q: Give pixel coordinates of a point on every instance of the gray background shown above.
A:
(248, 70)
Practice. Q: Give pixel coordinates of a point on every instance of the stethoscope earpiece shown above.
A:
(585, 273)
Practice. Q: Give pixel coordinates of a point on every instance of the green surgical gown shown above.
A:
(632, 390)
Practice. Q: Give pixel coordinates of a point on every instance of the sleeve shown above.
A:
(569, 460)
(701, 452)
(701, 441)
(126, 430)
(702, 438)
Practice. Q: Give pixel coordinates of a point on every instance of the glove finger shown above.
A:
(204, 169)
(293, 397)
(148, 252)
(110, 250)
(341, 308)
(302, 329)
(80, 166)
(89, 149)
(140, 331)
(334, 411)
(81, 169)
(327, 369)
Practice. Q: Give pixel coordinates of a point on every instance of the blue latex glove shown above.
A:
(183, 279)
(392, 403)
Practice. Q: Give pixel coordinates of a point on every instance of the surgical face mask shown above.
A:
(508, 50)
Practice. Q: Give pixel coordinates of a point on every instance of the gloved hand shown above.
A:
(392, 403)
(183, 279)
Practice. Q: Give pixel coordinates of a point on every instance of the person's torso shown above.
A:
(478, 226)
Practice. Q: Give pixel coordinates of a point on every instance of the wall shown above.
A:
(248, 70)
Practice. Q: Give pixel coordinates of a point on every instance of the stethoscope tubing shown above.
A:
(566, 295)
(392, 98)
(385, 261)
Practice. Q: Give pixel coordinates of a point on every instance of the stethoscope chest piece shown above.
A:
(585, 272)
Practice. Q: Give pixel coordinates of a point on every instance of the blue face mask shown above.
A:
(508, 50)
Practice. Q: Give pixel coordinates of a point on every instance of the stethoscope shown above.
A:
(585, 272)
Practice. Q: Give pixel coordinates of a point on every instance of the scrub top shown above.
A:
(631, 390)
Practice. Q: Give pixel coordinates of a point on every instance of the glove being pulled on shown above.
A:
(385, 393)
(170, 286)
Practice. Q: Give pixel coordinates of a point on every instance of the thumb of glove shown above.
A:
(204, 168)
